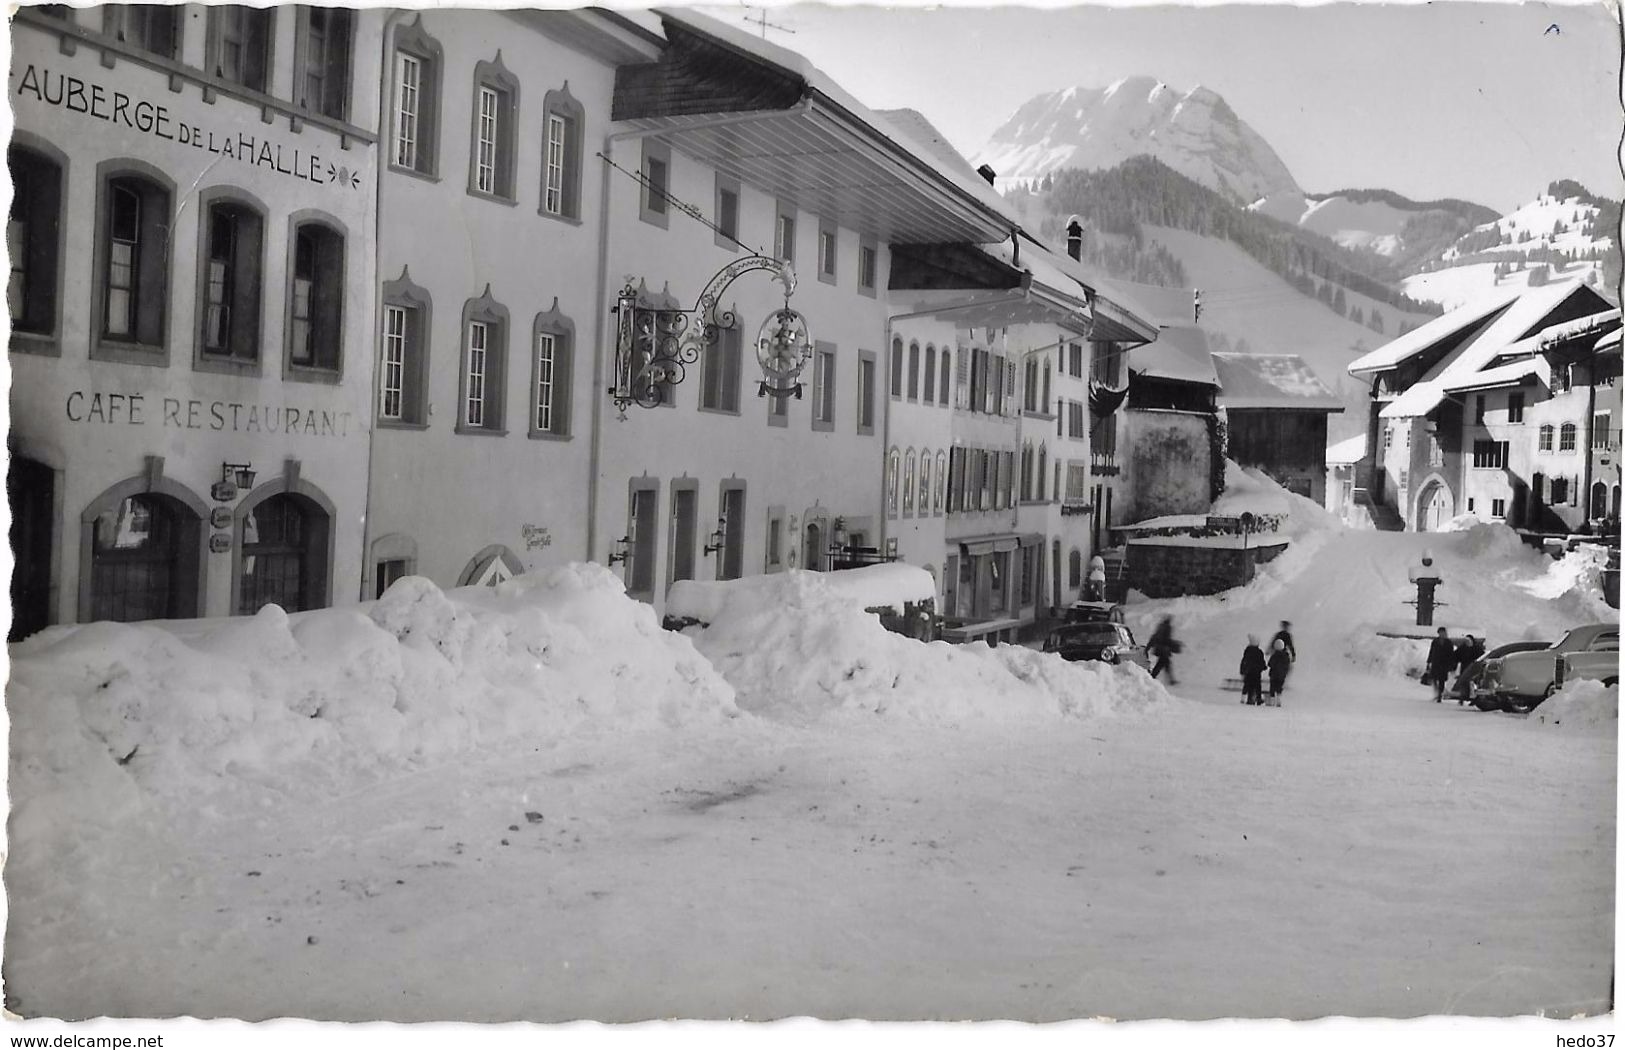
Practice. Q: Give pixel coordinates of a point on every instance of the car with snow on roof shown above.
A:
(1101, 640)
(1522, 681)
(1094, 612)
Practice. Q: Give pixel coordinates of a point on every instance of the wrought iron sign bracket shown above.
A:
(655, 345)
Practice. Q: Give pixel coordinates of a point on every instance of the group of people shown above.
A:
(1278, 664)
(1445, 657)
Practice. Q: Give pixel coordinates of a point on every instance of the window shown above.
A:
(908, 483)
(322, 60)
(942, 379)
(230, 276)
(496, 105)
(719, 371)
(387, 571)
(1074, 571)
(1490, 454)
(827, 242)
(775, 539)
(914, 371)
(1074, 358)
(553, 346)
(727, 208)
(642, 507)
(404, 350)
(866, 392)
(896, 368)
(316, 297)
(563, 121)
(1044, 406)
(656, 171)
(1075, 425)
(1546, 433)
(1566, 438)
(868, 262)
(732, 523)
(784, 233)
(143, 564)
(894, 465)
(1029, 388)
(1387, 438)
(937, 497)
(483, 379)
(685, 499)
(928, 385)
(823, 386)
(155, 28)
(1498, 508)
(1560, 491)
(1038, 473)
(1478, 409)
(33, 242)
(416, 124)
(239, 44)
(923, 497)
(134, 262)
(283, 556)
(1515, 407)
(1601, 437)
(1562, 379)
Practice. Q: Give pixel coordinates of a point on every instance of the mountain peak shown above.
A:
(1193, 131)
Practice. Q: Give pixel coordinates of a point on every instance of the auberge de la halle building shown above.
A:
(307, 299)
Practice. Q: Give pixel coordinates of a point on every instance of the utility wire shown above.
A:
(683, 206)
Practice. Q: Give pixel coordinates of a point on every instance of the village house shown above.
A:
(191, 298)
(1276, 410)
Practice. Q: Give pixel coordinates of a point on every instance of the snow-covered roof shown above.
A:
(1418, 339)
(1349, 450)
(915, 125)
(1609, 341)
(1271, 381)
(1510, 374)
(1179, 353)
(1559, 333)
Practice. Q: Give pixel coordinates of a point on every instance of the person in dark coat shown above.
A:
(1467, 653)
(1285, 635)
(1441, 661)
(1252, 672)
(1162, 647)
(1280, 663)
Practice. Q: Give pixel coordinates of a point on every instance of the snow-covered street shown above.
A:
(1360, 851)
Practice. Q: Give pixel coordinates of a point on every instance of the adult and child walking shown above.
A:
(1278, 664)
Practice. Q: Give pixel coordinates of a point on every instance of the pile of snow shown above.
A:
(1461, 523)
(1582, 705)
(797, 647)
(108, 716)
(1247, 489)
(1574, 581)
(1493, 540)
(893, 586)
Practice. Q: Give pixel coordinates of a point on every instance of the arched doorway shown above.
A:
(812, 552)
(142, 560)
(284, 555)
(31, 490)
(1433, 507)
(1599, 500)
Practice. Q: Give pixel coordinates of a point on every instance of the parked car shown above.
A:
(1473, 673)
(1102, 640)
(1600, 665)
(1521, 681)
(1094, 612)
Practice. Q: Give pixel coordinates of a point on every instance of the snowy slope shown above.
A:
(1376, 221)
(1194, 132)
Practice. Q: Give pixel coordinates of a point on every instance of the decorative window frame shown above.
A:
(563, 330)
(403, 293)
(561, 104)
(493, 74)
(487, 310)
(412, 39)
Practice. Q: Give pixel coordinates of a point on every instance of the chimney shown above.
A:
(987, 172)
(1074, 237)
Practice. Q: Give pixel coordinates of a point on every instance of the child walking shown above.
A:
(1280, 663)
(1252, 672)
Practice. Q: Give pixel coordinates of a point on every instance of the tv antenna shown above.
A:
(759, 20)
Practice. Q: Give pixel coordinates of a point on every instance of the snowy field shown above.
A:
(532, 804)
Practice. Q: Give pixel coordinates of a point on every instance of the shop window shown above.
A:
(495, 120)
(33, 243)
(230, 280)
(321, 60)
(283, 556)
(823, 415)
(419, 60)
(563, 121)
(133, 249)
(552, 368)
(154, 28)
(720, 369)
(404, 367)
(484, 373)
(143, 560)
(316, 298)
(239, 44)
(656, 169)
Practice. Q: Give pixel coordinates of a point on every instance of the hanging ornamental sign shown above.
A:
(655, 342)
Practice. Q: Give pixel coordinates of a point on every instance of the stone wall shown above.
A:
(1168, 465)
(1163, 570)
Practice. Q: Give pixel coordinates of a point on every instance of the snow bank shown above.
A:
(797, 647)
(1490, 539)
(1250, 489)
(1583, 706)
(1574, 581)
(106, 717)
(872, 586)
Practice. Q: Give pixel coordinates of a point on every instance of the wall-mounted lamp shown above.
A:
(620, 549)
(240, 474)
(718, 538)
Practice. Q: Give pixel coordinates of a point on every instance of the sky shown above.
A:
(1482, 101)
